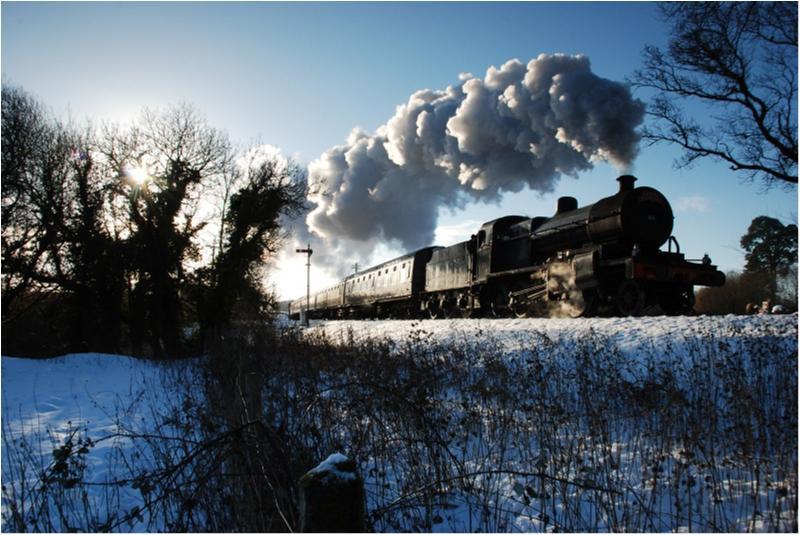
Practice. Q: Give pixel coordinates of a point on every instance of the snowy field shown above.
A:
(634, 336)
(65, 424)
(672, 421)
(548, 425)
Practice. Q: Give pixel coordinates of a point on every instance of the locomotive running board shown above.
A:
(511, 272)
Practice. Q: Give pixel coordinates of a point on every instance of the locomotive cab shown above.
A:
(502, 244)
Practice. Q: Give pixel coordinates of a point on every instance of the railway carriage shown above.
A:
(389, 289)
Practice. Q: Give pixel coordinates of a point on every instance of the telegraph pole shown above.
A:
(355, 268)
(308, 251)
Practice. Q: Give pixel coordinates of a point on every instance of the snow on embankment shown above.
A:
(513, 333)
(613, 424)
(633, 337)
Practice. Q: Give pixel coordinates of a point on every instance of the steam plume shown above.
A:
(521, 125)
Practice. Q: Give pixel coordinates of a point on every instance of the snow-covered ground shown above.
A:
(709, 395)
(631, 335)
(96, 398)
(81, 400)
(70, 391)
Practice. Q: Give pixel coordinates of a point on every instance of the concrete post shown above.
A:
(332, 497)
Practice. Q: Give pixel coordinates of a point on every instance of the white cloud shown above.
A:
(694, 203)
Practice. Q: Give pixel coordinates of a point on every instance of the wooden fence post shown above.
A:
(332, 497)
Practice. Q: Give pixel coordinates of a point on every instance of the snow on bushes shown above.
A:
(649, 424)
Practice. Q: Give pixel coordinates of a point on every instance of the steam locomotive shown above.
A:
(601, 259)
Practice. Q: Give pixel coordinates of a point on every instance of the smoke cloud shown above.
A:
(519, 126)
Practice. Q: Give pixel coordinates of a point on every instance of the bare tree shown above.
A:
(163, 165)
(739, 61)
(26, 137)
(56, 246)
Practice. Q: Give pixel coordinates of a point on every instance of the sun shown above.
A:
(137, 174)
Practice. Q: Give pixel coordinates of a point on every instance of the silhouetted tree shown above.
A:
(739, 59)
(770, 249)
(117, 228)
(97, 276)
(34, 160)
(56, 248)
(163, 166)
(266, 190)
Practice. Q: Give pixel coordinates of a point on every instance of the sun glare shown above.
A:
(137, 174)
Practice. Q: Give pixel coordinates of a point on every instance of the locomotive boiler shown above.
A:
(605, 258)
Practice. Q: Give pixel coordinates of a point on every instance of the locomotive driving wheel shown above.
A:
(582, 304)
(518, 306)
(432, 306)
(466, 306)
(497, 302)
(630, 298)
(447, 308)
(519, 310)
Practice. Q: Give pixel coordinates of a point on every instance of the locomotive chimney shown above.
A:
(626, 182)
(566, 204)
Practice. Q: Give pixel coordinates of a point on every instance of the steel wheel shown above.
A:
(447, 308)
(465, 306)
(519, 311)
(630, 299)
(498, 305)
(583, 303)
(515, 306)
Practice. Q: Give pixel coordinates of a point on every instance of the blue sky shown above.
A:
(301, 76)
